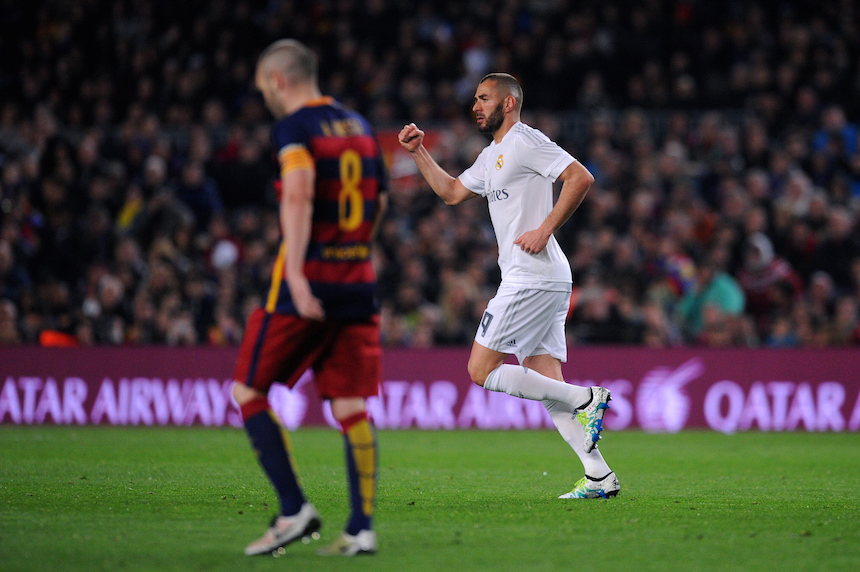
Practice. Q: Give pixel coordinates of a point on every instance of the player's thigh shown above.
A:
(553, 343)
(518, 320)
(498, 326)
(277, 348)
(345, 407)
(352, 363)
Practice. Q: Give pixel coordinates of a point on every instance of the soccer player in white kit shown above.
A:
(515, 172)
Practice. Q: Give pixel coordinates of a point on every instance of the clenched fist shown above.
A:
(411, 137)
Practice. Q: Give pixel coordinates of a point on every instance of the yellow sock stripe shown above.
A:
(277, 279)
(288, 445)
(363, 445)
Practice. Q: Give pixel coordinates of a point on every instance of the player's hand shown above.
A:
(307, 305)
(411, 137)
(533, 241)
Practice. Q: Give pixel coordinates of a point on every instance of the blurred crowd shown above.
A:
(136, 201)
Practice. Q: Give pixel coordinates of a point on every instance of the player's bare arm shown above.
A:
(449, 188)
(296, 218)
(577, 181)
(381, 208)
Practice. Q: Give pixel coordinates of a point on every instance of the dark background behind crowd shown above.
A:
(136, 202)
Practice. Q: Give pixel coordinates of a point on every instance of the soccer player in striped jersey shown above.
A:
(321, 311)
(526, 318)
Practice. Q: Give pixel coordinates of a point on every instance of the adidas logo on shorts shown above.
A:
(512, 343)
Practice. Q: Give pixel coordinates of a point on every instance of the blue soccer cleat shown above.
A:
(588, 488)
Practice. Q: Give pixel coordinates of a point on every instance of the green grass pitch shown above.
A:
(114, 499)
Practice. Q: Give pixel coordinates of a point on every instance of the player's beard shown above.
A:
(494, 121)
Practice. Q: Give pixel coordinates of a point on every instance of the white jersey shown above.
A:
(516, 177)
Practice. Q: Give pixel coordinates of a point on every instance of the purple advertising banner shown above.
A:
(655, 390)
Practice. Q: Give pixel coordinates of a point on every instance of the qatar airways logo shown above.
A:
(291, 405)
(723, 392)
(497, 195)
(662, 403)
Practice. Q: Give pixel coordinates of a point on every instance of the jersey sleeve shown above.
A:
(543, 156)
(473, 177)
(291, 143)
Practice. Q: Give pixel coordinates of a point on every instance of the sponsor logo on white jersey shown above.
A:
(497, 195)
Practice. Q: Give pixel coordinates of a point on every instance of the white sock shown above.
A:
(526, 383)
(571, 431)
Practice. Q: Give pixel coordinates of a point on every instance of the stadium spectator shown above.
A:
(715, 295)
(104, 112)
(766, 279)
(14, 278)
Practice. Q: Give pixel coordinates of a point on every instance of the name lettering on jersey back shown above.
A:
(346, 253)
(342, 127)
(497, 195)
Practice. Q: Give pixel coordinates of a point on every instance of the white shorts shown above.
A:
(525, 322)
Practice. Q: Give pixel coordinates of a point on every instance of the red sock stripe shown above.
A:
(352, 420)
(255, 406)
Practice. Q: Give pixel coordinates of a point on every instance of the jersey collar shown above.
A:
(508, 133)
(320, 101)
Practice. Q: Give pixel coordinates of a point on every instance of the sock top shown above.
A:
(352, 420)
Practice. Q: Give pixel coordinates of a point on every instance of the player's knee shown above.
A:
(243, 394)
(478, 372)
(344, 408)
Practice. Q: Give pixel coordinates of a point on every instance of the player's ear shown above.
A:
(510, 103)
(279, 78)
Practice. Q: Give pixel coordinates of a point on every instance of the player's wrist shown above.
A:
(297, 279)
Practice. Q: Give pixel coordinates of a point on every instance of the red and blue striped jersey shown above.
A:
(339, 145)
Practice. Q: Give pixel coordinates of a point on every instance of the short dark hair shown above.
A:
(295, 59)
(508, 83)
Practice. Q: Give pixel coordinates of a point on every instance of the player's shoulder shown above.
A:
(308, 116)
(342, 109)
(333, 118)
(290, 129)
(324, 117)
(363, 121)
(485, 153)
(529, 136)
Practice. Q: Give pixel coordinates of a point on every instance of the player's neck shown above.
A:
(299, 97)
(510, 121)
